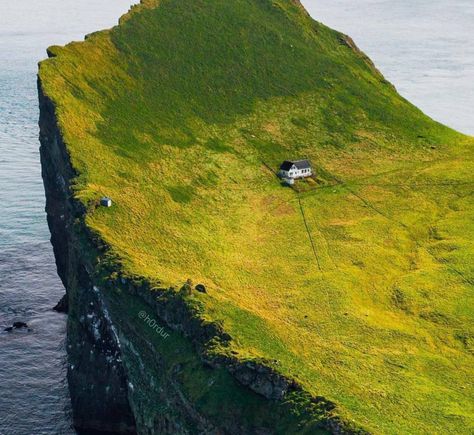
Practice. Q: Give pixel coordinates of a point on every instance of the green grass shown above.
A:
(174, 365)
(178, 113)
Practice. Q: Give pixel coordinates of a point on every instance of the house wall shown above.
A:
(295, 173)
(299, 173)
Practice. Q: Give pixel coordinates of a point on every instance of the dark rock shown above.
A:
(186, 290)
(261, 379)
(324, 403)
(62, 305)
(201, 288)
(16, 325)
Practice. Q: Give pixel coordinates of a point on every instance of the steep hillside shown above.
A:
(358, 284)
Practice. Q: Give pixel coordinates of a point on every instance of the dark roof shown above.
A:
(300, 164)
(286, 165)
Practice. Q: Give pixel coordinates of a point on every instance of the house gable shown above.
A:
(286, 165)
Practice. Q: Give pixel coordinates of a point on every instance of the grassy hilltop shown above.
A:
(359, 282)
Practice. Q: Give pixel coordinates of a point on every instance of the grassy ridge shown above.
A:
(360, 284)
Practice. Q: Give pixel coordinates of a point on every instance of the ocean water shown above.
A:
(33, 390)
(424, 47)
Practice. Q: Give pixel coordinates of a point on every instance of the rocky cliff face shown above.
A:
(96, 376)
(126, 374)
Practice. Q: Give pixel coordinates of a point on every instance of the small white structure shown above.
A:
(295, 169)
(106, 202)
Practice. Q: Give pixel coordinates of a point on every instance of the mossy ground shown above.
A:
(361, 283)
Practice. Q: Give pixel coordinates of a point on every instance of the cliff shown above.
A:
(210, 298)
(140, 359)
(96, 377)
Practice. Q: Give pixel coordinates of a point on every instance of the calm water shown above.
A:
(424, 47)
(33, 391)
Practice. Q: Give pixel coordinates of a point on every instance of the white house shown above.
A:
(295, 169)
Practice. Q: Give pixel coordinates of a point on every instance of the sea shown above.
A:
(33, 389)
(423, 47)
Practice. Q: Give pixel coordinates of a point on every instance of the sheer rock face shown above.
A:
(97, 380)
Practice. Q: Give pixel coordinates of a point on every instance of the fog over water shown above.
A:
(424, 47)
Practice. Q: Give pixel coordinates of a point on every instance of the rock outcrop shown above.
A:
(62, 306)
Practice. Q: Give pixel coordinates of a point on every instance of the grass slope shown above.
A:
(359, 282)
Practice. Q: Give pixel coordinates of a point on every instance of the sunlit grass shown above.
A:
(179, 113)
